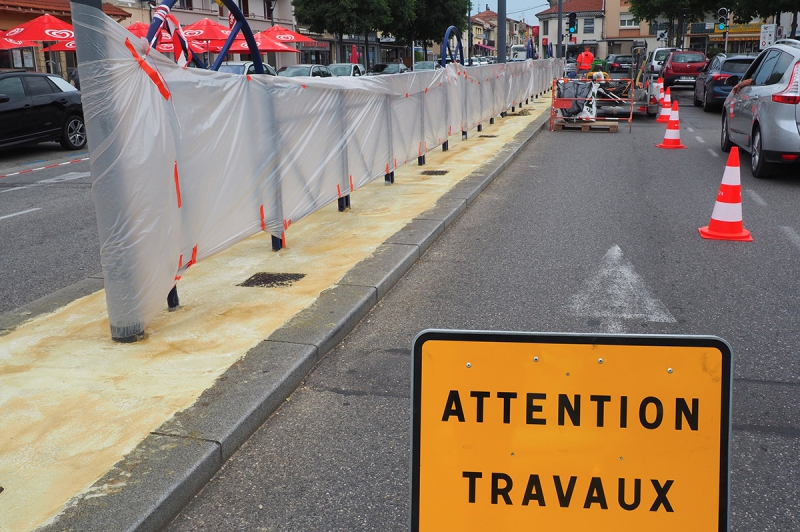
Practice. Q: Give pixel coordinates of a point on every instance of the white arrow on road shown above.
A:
(616, 293)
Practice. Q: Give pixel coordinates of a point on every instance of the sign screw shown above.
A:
(536, 359)
(469, 365)
(669, 370)
(599, 360)
(567, 374)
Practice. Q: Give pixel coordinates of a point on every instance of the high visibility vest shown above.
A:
(585, 61)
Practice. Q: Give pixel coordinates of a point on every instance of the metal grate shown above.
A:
(488, 136)
(273, 280)
(434, 172)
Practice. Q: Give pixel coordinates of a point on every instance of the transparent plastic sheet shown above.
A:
(180, 178)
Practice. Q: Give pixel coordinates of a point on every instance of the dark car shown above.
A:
(38, 107)
(618, 63)
(682, 67)
(388, 68)
(710, 89)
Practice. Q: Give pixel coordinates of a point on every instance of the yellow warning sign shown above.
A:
(570, 432)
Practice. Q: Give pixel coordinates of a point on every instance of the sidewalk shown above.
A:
(178, 404)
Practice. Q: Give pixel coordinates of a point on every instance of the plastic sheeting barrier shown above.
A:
(187, 162)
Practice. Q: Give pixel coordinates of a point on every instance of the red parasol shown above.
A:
(354, 54)
(44, 28)
(281, 34)
(207, 30)
(140, 29)
(264, 43)
(8, 44)
(63, 46)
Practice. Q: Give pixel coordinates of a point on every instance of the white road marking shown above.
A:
(758, 199)
(792, 235)
(58, 179)
(18, 213)
(700, 140)
(616, 293)
(712, 152)
(690, 130)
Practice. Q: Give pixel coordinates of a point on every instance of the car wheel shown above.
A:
(724, 139)
(74, 137)
(759, 167)
(707, 107)
(695, 100)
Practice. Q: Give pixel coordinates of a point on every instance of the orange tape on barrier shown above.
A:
(149, 71)
(177, 184)
(263, 225)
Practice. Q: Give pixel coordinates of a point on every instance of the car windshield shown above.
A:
(425, 65)
(687, 58)
(290, 71)
(624, 58)
(61, 84)
(386, 68)
(340, 70)
(662, 54)
(232, 69)
(736, 66)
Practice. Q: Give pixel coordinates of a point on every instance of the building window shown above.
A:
(245, 7)
(626, 20)
(185, 4)
(588, 25)
(546, 27)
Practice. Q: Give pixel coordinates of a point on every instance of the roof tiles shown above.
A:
(575, 6)
(59, 8)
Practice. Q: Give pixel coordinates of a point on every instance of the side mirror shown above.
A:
(731, 81)
(4, 98)
(659, 63)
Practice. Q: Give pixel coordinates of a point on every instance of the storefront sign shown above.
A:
(570, 432)
(740, 28)
(316, 45)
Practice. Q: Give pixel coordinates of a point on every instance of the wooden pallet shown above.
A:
(599, 125)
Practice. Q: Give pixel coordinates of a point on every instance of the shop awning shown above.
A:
(485, 47)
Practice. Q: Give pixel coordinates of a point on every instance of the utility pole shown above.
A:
(559, 53)
(501, 31)
(469, 35)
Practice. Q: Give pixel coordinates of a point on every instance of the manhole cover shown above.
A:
(488, 136)
(273, 280)
(434, 172)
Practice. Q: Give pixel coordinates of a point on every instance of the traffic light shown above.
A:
(573, 23)
(722, 17)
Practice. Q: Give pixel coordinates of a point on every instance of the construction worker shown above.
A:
(584, 61)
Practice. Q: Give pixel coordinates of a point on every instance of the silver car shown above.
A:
(763, 117)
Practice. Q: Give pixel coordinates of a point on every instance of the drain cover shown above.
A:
(273, 280)
(488, 136)
(434, 172)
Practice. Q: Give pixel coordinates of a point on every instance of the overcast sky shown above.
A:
(516, 9)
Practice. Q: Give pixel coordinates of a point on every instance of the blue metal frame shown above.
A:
(446, 46)
(240, 25)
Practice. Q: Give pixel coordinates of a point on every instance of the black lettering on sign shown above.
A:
(574, 412)
(596, 494)
(643, 412)
(506, 397)
(533, 492)
(497, 491)
(479, 397)
(623, 412)
(661, 495)
(682, 410)
(453, 407)
(564, 498)
(601, 401)
(533, 408)
(472, 475)
(637, 494)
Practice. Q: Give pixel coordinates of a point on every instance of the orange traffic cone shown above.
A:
(660, 85)
(726, 219)
(666, 105)
(672, 138)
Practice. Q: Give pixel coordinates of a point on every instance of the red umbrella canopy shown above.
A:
(170, 47)
(206, 30)
(63, 46)
(139, 29)
(281, 34)
(264, 43)
(44, 28)
(354, 54)
(9, 44)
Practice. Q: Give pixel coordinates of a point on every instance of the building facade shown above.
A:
(591, 24)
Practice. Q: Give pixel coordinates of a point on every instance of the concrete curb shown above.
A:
(150, 486)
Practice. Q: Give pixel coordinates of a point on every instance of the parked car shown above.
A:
(388, 68)
(682, 67)
(316, 71)
(347, 69)
(655, 60)
(763, 117)
(427, 65)
(37, 107)
(245, 67)
(710, 90)
(618, 63)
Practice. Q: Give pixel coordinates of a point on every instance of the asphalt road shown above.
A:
(336, 455)
(48, 231)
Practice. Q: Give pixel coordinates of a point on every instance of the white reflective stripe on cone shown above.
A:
(731, 176)
(727, 212)
(673, 134)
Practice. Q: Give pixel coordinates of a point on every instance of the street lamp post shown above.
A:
(559, 53)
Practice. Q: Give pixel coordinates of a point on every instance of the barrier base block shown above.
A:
(277, 245)
(173, 303)
(389, 178)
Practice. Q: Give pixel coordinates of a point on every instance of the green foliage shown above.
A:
(746, 10)
(343, 16)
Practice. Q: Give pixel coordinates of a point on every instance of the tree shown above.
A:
(433, 17)
(746, 10)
